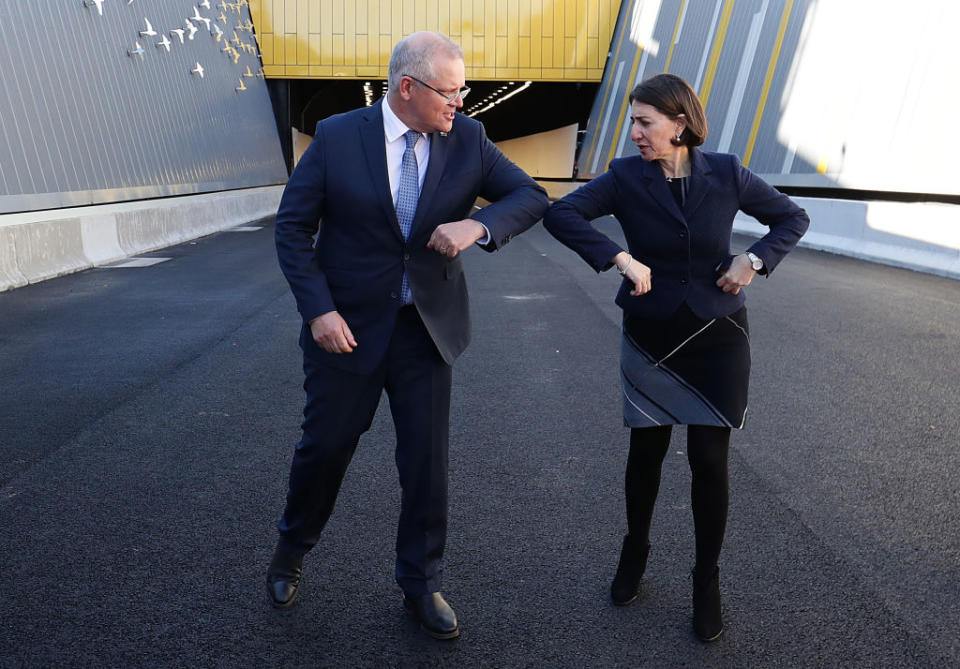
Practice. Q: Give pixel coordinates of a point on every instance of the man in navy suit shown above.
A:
(386, 192)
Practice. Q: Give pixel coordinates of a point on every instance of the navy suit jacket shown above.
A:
(682, 246)
(340, 193)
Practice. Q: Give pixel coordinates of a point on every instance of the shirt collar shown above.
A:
(393, 127)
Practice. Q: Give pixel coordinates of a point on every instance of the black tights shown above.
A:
(707, 451)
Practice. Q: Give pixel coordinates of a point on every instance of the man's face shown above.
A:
(431, 112)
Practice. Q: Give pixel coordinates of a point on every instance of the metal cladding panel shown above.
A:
(819, 94)
(85, 118)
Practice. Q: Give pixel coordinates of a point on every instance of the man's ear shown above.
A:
(405, 88)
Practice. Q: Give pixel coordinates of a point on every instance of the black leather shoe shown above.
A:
(707, 614)
(633, 562)
(283, 578)
(434, 615)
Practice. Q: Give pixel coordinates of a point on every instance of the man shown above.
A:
(384, 300)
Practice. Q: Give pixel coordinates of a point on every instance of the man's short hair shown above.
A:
(415, 54)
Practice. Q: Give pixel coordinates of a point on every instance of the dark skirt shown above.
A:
(685, 370)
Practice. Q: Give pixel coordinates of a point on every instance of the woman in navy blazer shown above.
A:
(685, 356)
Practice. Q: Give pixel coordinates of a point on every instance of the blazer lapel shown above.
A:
(659, 190)
(439, 143)
(699, 181)
(374, 150)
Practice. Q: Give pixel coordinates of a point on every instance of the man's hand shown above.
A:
(739, 274)
(449, 239)
(332, 334)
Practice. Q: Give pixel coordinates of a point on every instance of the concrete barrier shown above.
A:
(41, 245)
(923, 236)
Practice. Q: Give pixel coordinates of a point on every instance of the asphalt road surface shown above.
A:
(148, 416)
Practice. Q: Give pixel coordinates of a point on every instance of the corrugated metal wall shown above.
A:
(83, 121)
(850, 94)
(535, 40)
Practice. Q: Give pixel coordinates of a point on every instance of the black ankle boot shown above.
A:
(707, 617)
(633, 562)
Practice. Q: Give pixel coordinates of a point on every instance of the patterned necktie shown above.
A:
(407, 196)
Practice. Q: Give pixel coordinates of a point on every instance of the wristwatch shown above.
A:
(755, 261)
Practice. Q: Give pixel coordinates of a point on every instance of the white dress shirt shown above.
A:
(393, 132)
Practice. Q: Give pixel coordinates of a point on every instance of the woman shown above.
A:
(685, 353)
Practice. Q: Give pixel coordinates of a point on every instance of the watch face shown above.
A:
(755, 261)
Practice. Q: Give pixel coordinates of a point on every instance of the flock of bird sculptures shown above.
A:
(233, 47)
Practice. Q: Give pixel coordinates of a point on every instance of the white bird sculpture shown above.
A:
(91, 3)
(196, 17)
(165, 43)
(198, 70)
(178, 32)
(149, 32)
(136, 52)
(192, 28)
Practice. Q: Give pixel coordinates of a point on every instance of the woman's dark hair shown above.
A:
(673, 96)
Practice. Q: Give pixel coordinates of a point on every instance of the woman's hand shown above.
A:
(635, 271)
(739, 274)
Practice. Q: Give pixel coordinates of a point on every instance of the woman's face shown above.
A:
(652, 131)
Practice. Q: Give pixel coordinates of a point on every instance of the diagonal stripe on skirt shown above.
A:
(685, 370)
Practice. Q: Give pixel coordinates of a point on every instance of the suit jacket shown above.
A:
(683, 246)
(340, 193)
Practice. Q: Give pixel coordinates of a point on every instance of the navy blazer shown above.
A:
(683, 247)
(356, 264)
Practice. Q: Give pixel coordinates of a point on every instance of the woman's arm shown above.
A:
(569, 220)
(787, 220)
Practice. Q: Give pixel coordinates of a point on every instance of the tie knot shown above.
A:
(411, 136)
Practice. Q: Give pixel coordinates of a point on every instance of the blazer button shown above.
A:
(682, 234)
(406, 256)
(683, 281)
(393, 295)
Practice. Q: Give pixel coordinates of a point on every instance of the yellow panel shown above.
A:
(360, 17)
(314, 12)
(385, 17)
(290, 49)
(593, 19)
(456, 22)
(279, 16)
(337, 18)
(477, 11)
(443, 16)
(546, 52)
(537, 40)
(362, 52)
(409, 16)
(501, 53)
(266, 53)
(290, 18)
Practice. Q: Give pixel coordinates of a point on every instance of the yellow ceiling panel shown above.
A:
(537, 40)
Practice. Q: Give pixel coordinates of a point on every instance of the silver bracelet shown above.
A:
(625, 267)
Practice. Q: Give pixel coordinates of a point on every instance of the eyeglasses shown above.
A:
(450, 99)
